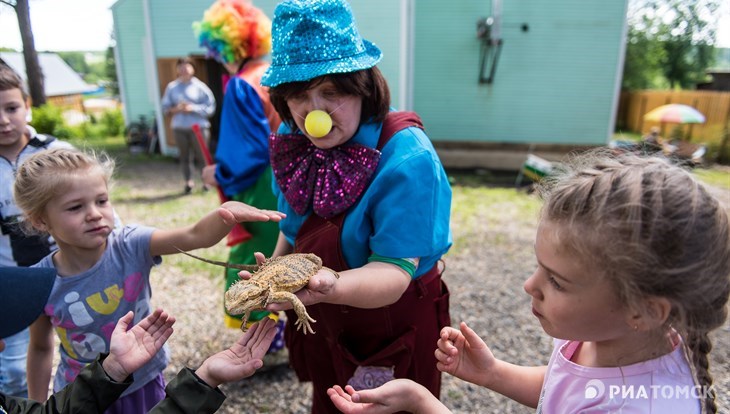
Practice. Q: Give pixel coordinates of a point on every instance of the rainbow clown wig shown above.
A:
(233, 30)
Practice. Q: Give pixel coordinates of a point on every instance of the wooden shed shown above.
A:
(492, 79)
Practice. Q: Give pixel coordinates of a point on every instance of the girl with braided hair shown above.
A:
(633, 274)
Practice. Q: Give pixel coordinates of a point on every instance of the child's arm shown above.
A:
(464, 354)
(393, 396)
(40, 358)
(198, 392)
(209, 230)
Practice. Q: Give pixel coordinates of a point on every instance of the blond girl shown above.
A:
(103, 272)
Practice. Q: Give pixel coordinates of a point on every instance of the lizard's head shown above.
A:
(243, 296)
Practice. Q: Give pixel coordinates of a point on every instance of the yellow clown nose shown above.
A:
(318, 123)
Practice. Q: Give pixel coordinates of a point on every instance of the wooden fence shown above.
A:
(714, 105)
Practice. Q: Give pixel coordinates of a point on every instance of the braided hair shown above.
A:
(652, 230)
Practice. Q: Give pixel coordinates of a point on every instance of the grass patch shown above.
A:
(111, 145)
(627, 136)
(718, 177)
(475, 210)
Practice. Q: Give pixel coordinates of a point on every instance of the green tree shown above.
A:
(688, 40)
(77, 61)
(111, 71)
(97, 72)
(669, 41)
(643, 60)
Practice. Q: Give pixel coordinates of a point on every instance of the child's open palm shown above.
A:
(394, 396)
(242, 359)
(462, 353)
(129, 349)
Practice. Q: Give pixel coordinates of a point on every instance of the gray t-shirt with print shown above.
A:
(85, 308)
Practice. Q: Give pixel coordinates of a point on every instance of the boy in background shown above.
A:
(18, 141)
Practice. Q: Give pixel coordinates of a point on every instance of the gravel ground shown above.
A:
(485, 277)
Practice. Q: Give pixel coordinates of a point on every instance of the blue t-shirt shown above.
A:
(85, 308)
(405, 211)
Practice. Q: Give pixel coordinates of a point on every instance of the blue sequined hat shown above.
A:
(312, 38)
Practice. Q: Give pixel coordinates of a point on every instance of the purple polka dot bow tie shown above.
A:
(330, 180)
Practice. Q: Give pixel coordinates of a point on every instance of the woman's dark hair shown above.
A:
(368, 84)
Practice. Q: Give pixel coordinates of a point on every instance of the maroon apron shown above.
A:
(401, 336)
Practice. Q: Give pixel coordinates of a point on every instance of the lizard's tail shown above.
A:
(248, 268)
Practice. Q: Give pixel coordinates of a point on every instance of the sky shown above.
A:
(61, 25)
(65, 25)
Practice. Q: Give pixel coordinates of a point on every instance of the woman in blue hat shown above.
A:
(364, 189)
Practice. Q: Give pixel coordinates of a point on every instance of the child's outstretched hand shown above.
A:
(233, 212)
(463, 354)
(130, 349)
(240, 360)
(393, 396)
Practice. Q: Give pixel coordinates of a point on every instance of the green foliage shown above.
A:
(77, 61)
(64, 132)
(722, 58)
(670, 42)
(644, 55)
(718, 152)
(96, 69)
(92, 66)
(688, 42)
(48, 119)
(110, 71)
(113, 122)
